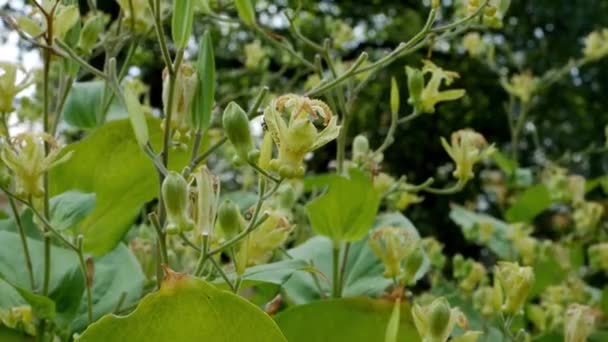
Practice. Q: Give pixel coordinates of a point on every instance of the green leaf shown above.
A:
(276, 273)
(363, 272)
(506, 164)
(347, 210)
(70, 208)
(110, 164)
(9, 335)
(68, 295)
(529, 204)
(347, 319)
(205, 88)
(12, 296)
(83, 103)
(470, 222)
(187, 309)
(116, 273)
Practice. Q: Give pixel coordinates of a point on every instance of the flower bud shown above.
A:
(439, 317)
(393, 245)
(522, 86)
(415, 84)
(394, 96)
(266, 152)
(230, 219)
(515, 282)
(434, 250)
(181, 22)
(207, 200)
(255, 56)
(579, 323)
(488, 300)
(412, 265)
(175, 198)
(92, 28)
(236, 126)
(436, 320)
(186, 80)
(360, 147)
(246, 11)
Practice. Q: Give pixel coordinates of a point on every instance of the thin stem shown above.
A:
(263, 172)
(203, 258)
(336, 290)
(409, 118)
(353, 70)
(26, 251)
(257, 103)
(390, 135)
(169, 108)
(88, 283)
(344, 265)
(218, 267)
(283, 47)
(160, 34)
(121, 300)
(194, 163)
(463, 20)
(447, 191)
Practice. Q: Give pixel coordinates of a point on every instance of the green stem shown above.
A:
(336, 286)
(26, 251)
(194, 163)
(390, 135)
(88, 282)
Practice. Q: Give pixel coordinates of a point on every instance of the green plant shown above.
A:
(168, 223)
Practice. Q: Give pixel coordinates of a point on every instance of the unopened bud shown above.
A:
(394, 96)
(393, 245)
(230, 219)
(360, 146)
(516, 282)
(236, 126)
(415, 84)
(175, 198)
(207, 201)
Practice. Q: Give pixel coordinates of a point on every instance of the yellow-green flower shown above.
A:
(522, 86)
(393, 245)
(467, 148)
(140, 14)
(298, 135)
(207, 200)
(596, 45)
(515, 282)
(430, 95)
(183, 96)
(25, 157)
(9, 87)
(579, 323)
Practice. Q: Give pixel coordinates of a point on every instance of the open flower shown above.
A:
(425, 99)
(596, 45)
(393, 245)
(522, 86)
(9, 87)
(25, 157)
(467, 148)
(185, 87)
(579, 323)
(298, 135)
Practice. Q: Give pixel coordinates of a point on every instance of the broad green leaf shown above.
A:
(68, 295)
(363, 273)
(276, 273)
(116, 273)
(470, 223)
(26, 216)
(12, 296)
(187, 309)
(110, 164)
(12, 262)
(9, 335)
(84, 102)
(529, 204)
(70, 208)
(347, 210)
(348, 319)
